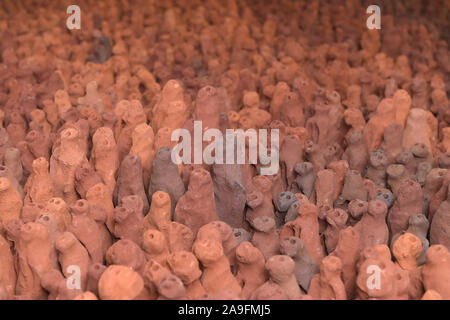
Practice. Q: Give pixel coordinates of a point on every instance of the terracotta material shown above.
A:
(104, 156)
(86, 230)
(327, 285)
(305, 266)
(126, 253)
(305, 178)
(306, 227)
(72, 253)
(165, 177)
(376, 170)
(10, 201)
(266, 238)
(229, 193)
(120, 283)
(408, 203)
(393, 280)
(281, 271)
(64, 161)
(372, 227)
(130, 180)
(336, 221)
(159, 215)
(418, 225)
(435, 271)
(441, 223)
(197, 206)
(251, 272)
(39, 186)
(216, 274)
(185, 266)
(353, 187)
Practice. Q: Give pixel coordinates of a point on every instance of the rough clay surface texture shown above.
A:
(93, 205)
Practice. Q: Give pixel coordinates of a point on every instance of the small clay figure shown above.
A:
(251, 272)
(130, 180)
(435, 271)
(305, 266)
(216, 274)
(372, 228)
(197, 206)
(185, 266)
(281, 271)
(165, 177)
(328, 285)
(266, 238)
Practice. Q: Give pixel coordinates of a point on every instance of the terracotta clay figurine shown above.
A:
(251, 272)
(435, 271)
(216, 273)
(327, 285)
(185, 266)
(305, 266)
(281, 271)
(165, 177)
(197, 206)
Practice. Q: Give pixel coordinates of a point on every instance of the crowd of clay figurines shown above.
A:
(92, 207)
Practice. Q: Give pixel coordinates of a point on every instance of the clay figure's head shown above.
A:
(65, 241)
(331, 266)
(103, 139)
(184, 265)
(333, 97)
(80, 207)
(284, 201)
(120, 283)
(171, 287)
(387, 197)
(337, 217)
(395, 171)
(263, 224)
(32, 231)
(408, 188)
(437, 255)
(378, 158)
(121, 214)
(207, 251)
(40, 165)
(132, 165)
(254, 199)
(224, 229)
(292, 212)
(133, 203)
(357, 208)
(154, 241)
(406, 246)
(292, 246)
(404, 157)
(127, 253)
(241, 235)
(377, 208)
(280, 268)
(160, 199)
(163, 155)
(48, 220)
(420, 150)
(246, 253)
